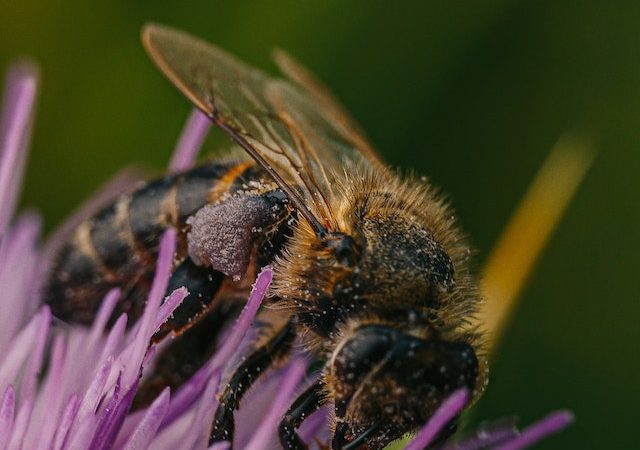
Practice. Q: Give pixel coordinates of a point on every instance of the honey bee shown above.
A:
(371, 271)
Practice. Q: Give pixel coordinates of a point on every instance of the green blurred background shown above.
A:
(473, 93)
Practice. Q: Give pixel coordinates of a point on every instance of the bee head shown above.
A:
(386, 382)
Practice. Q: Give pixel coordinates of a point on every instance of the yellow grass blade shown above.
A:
(527, 232)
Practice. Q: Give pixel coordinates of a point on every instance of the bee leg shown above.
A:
(202, 284)
(184, 355)
(307, 403)
(196, 323)
(255, 365)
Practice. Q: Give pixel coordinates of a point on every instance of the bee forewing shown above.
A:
(301, 141)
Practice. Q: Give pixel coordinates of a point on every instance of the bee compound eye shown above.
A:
(443, 366)
(356, 358)
(376, 357)
(361, 352)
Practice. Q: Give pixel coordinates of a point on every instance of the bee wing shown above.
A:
(329, 105)
(299, 140)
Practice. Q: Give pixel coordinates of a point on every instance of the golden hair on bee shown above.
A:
(404, 232)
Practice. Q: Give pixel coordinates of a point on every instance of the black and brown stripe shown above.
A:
(118, 247)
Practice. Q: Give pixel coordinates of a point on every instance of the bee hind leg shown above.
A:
(202, 283)
(223, 235)
(196, 324)
(307, 403)
(184, 355)
(257, 362)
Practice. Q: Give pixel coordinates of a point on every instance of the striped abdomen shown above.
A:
(118, 247)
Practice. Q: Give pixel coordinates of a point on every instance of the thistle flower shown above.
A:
(71, 387)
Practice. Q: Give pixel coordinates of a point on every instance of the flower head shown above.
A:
(72, 387)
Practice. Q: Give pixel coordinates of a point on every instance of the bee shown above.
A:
(371, 271)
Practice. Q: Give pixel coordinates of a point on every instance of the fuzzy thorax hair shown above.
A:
(411, 262)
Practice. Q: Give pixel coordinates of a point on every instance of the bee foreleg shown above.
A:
(244, 376)
(307, 403)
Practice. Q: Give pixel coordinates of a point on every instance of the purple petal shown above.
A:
(148, 320)
(109, 430)
(131, 422)
(170, 304)
(487, 435)
(193, 135)
(316, 426)
(20, 93)
(48, 397)
(551, 424)
(447, 411)
(256, 402)
(104, 313)
(148, 426)
(185, 397)
(17, 261)
(219, 446)
(66, 420)
(106, 418)
(264, 433)
(114, 340)
(122, 408)
(13, 360)
(7, 411)
(93, 394)
(21, 424)
(81, 439)
(204, 413)
(244, 321)
(30, 377)
(187, 394)
(148, 356)
(49, 402)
